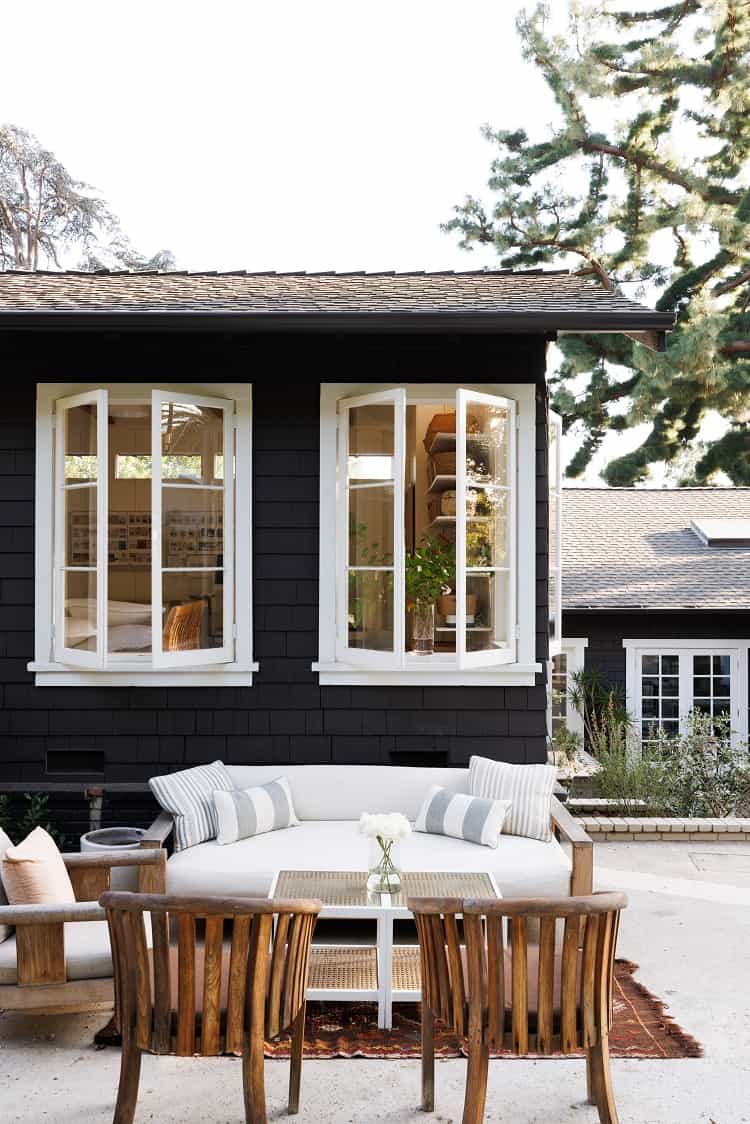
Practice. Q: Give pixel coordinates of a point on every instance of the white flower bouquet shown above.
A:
(385, 830)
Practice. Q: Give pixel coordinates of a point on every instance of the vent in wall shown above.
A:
(423, 757)
(75, 762)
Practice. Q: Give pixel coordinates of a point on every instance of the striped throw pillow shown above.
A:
(189, 796)
(529, 789)
(253, 811)
(462, 816)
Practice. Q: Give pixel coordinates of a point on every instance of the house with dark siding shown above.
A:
(656, 595)
(211, 483)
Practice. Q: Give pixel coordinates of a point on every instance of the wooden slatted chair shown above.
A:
(183, 626)
(209, 995)
(509, 992)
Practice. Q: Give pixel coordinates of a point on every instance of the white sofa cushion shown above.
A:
(521, 867)
(462, 817)
(343, 792)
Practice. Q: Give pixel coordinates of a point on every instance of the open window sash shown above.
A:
(370, 598)
(555, 533)
(485, 529)
(192, 521)
(81, 529)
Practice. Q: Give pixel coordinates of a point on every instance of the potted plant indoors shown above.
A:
(430, 571)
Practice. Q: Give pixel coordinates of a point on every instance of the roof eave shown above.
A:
(656, 324)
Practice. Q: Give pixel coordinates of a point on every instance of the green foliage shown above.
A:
(696, 773)
(34, 813)
(430, 570)
(672, 172)
(601, 707)
(45, 213)
(567, 743)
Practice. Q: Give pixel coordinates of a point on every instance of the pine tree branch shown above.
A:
(736, 347)
(732, 283)
(695, 185)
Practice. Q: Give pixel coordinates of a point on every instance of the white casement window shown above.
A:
(667, 679)
(555, 532)
(569, 660)
(447, 467)
(142, 531)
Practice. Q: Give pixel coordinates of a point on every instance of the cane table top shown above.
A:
(348, 889)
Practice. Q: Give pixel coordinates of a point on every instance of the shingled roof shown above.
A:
(628, 548)
(501, 300)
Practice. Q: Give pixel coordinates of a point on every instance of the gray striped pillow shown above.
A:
(462, 816)
(244, 812)
(189, 796)
(528, 787)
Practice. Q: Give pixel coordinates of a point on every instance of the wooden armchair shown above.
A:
(554, 997)
(568, 830)
(36, 956)
(207, 995)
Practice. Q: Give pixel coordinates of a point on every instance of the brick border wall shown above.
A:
(642, 829)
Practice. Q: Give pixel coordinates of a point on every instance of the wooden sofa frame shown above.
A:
(564, 826)
(42, 985)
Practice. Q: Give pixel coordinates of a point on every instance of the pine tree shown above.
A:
(658, 204)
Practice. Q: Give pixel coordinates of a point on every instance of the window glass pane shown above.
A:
(129, 528)
(79, 621)
(721, 665)
(559, 701)
(192, 611)
(670, 688)
(80, 526)
(371, 442)
(79, 443)
(649, 687)
(650, 708)
(701, 665)
(191, 438)
(371, 525)
(670, 665)
(650, 665)
(702, 686)
(670, 708)
(192, 527)
(671, 729)
(486, 611)
(722, 686)
(370, 610)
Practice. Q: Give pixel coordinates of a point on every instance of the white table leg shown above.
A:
(385, 971)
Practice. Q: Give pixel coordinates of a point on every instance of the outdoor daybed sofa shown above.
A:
(329, 800)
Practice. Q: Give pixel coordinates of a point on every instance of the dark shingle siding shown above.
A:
(285, 716)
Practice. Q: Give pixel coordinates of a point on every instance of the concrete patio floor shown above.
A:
(688, 927)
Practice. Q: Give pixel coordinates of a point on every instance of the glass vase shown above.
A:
(423, 627)
(384, 866)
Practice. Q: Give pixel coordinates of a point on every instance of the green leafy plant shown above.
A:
(706, 774)
(567, 743)
(430, 570)
(601, 707)
(34, 813)
(633, 777)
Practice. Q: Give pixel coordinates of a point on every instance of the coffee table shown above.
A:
(376, 970)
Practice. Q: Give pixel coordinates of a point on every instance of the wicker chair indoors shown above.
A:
(249, 986)
(545, 998)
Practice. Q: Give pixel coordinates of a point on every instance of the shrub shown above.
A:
(706, 774)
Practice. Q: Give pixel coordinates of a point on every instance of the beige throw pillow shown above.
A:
(34, 873)
(5, 930)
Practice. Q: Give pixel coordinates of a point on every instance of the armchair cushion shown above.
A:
(88, 955)
(34, 872)
(5, 930)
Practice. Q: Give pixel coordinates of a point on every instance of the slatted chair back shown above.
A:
(527, 976)
(183, 626)
(233, 969)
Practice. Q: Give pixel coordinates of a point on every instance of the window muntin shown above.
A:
(665, 684)
(712, 683)
(400, 482)
(660, 694)
(559, 702)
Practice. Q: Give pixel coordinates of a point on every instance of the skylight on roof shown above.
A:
(722, 532)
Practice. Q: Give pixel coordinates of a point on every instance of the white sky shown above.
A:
(279, 135)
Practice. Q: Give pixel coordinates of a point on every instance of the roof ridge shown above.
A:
(288, 273)
(572, 489)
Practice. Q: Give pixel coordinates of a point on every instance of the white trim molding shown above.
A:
(519, 665)
(574, 649)
(736, 649)
(233, 664)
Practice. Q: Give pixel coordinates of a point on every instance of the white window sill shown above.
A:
(509, 675)
(134, 675)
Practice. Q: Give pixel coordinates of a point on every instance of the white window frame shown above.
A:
(438, 669)
(574, 649)
(556, 560)
(686, 649)
(139, 671)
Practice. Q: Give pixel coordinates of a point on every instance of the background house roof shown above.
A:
(626, 548)
(532, 300)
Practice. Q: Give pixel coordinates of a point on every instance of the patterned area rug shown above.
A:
(641, 1029)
